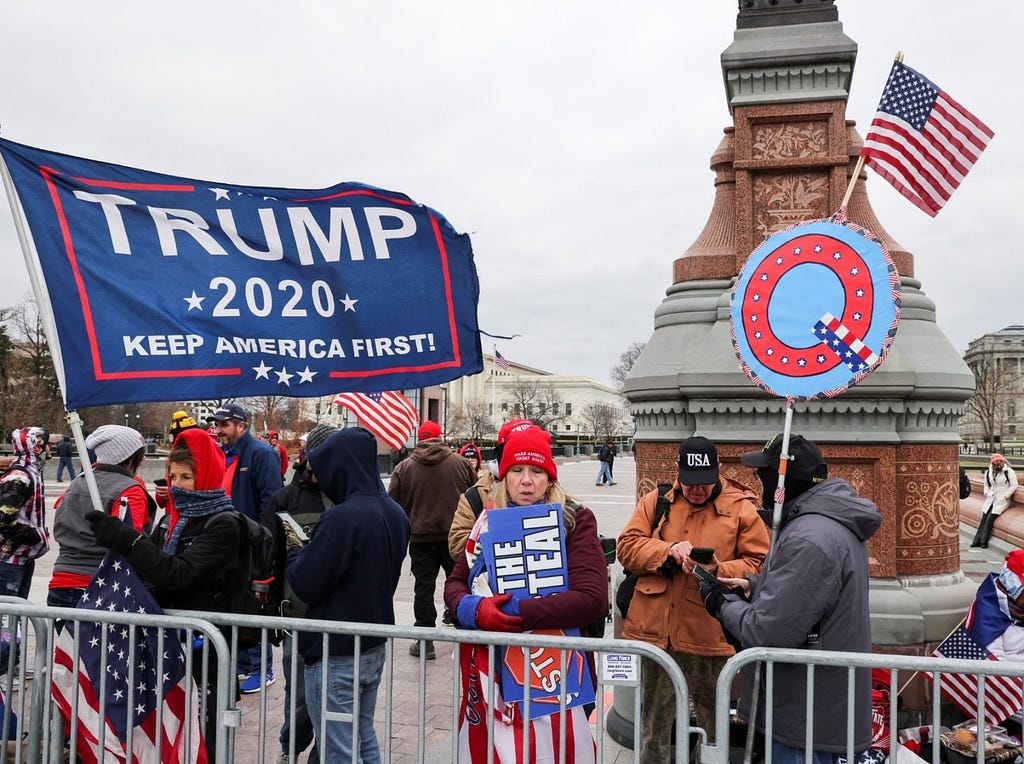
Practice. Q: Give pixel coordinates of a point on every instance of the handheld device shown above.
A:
(704, 574)
(160, 482)
(702, 555)
(292, 523)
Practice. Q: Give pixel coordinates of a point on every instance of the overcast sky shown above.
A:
(570, 139)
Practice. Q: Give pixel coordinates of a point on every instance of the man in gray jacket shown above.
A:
(812, 593)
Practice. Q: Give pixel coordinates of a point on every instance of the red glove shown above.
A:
(490, 617)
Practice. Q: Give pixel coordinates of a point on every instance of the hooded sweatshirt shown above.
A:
(815, 579)
(427, 486)
(23, 498)
(351, 566)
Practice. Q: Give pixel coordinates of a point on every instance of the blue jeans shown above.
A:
(337, 746)
(15, 581)
(63, 598)
(605, 475)
(65, 463)
(249, 659)
(784, 754)
(303, 726)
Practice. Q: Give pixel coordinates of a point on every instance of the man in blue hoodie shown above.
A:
(812, 594)
(348, 571)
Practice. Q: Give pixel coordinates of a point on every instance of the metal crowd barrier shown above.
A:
(39, 725)
(38, 734)
(768, 658)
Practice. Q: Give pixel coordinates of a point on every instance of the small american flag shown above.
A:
(388, 415)
(1002, 693)
(133, 691)
(501, 360)
(921, 140)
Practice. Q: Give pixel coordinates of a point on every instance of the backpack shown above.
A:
(248, 593)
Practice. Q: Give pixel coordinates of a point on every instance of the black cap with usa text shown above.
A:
(698, 462)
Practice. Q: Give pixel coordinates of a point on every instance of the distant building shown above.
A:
(997, 408)
(566, 405)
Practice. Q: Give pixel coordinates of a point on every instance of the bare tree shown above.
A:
(270, 412)
(601, 420)
(621, 370)
(30, 393)
(538, 401)
(995, 388)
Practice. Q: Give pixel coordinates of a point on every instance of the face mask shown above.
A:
(1011, 583)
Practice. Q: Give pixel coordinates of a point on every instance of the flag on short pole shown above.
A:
(501, 360)
(984, 625)
(921, 140)
(135, 692)
(388, 415)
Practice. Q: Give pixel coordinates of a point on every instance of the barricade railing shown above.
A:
(627, 652)
(39, 724)
(768, 658)
(40, 734)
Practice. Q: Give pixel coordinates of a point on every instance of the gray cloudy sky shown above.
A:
(570, 139)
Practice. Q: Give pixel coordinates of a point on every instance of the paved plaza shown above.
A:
(612, 506)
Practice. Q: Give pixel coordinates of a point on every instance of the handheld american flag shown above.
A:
(388, 415)
(143, 678)
(921, 140)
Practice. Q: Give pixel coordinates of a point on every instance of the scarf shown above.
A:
(193, 504)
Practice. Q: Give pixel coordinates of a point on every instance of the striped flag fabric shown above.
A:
(143, 679)
(978, 638)
(388, 415)
(501, 360)
(921, 140)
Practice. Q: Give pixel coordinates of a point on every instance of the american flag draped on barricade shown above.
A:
(133, 695)
(975, 638)
(388, 415)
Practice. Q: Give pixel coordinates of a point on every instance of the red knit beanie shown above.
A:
(531, 446)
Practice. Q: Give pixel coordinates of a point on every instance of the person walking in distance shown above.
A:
(64, 462)
(427, 486)
(607, 458)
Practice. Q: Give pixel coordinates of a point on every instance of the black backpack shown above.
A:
(248, 593)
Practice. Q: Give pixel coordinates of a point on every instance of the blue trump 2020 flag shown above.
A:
(165, 288)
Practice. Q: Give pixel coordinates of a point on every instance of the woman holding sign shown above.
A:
(528, 593)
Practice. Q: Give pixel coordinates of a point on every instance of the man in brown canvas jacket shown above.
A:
(427, 485)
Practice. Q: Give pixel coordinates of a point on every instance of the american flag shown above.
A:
(134, 695)
(501, 360)
(1002, 693)
(921, 140)
(388, 415)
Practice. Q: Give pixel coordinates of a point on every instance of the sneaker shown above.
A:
(613, 483)
(414, 650)
(252, 683)
(283, 758)
(446, 618)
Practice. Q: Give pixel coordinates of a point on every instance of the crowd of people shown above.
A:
(805, 586)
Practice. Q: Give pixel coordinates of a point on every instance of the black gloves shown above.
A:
(110, 532)
(712, 594)
(19, 534)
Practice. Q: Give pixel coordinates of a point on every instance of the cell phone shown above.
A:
(704, 574)
(292, 523)
(160, 481)
(702, 555)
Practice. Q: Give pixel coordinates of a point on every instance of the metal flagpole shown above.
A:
(494, 411)
(780, 498)
(45, 311)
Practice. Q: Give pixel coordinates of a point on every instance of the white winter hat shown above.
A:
(114, 443)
